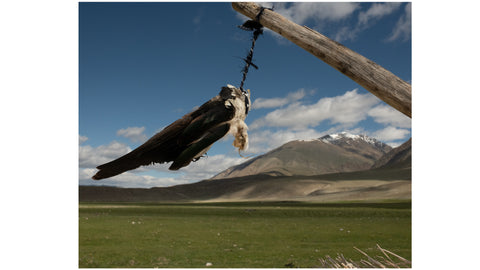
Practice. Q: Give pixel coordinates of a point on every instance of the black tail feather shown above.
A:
(117, 166)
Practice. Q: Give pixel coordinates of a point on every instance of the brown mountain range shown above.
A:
(334, 153)
(390, 177)
(400, 157)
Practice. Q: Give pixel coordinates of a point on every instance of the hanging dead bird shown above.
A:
(190, 137)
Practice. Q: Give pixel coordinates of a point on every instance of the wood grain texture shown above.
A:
(376, 79)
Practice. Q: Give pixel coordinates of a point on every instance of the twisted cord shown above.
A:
(257, 28)
(248, 60)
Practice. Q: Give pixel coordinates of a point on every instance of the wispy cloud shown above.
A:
(390, 134)
(301, 12)
(377, 11)
(209, 166)
(198, 18)
(366, 19)
(297, 120)
(346, 110)
(316, 15)
(128, 180)
(135, 134)
(332, 17)
(265, 140)
(387, 115)
(82, 139)
(91, 157)
(403, 28)
(262, 103)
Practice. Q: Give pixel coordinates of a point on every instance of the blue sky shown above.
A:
(144, 65)
(41, 102)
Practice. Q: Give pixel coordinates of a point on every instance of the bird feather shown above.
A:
(190, 136)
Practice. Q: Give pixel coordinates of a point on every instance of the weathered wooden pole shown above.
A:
(379, 81)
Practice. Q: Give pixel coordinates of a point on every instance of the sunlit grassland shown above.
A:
(251, 235)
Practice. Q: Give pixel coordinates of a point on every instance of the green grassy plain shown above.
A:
(239, 235)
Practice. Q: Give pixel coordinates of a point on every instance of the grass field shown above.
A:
(251, 235)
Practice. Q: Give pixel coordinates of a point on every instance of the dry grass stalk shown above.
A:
(379, 262)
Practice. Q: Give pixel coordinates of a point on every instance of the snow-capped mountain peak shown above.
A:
(340, 152)
(346, 137)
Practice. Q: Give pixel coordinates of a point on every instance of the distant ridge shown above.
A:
(369, 170)
(353, 186)
(340, 152)
(399, 157)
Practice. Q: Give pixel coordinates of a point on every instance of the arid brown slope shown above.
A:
(399, 157)
(362, 185)
(330, 154)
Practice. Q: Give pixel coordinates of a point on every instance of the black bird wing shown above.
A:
(180, 142)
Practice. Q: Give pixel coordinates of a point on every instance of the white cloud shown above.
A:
(197, 20)
(263, 141)
(300, 12)
(266, 140)
(346, 110)
(299, 121)
(209, 166)
(377, 11)
(203, 168)
(316, 15)
(391, 134)
(387, 115)
(366, 19)
(331, 17)
(128, 180)
(86, 173)
(135, 134)
(261, 103)
(403, 28)
(346, 33)
(82, 139)
(91, 157)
